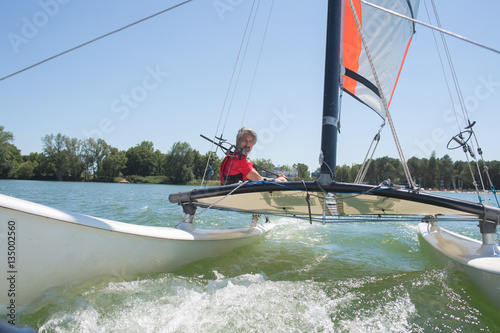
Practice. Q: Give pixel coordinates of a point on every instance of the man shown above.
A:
(237, 167)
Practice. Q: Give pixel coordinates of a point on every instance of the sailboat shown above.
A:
(366, 65)
(49, 248)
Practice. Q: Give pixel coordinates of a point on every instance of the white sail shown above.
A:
(387, 37)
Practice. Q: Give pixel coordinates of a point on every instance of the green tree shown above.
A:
(413, 166)
(10, 156)
(25, 170)
(5, 136)
(141, 159)
(343, 174)
(303, 171)
(42, 168)
(55, 149)
(75, 159)
(494, 171)
(385, 168)
(200, 165)
(159, 157)
(178, 163)
(263, 166)
(285, 167)
(464, 177)
(432, 170)
(423, 172)
(93, 153)
(446, 172)
(353, 173)
(112, 165)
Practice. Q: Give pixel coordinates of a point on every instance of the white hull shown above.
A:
(480, 262)
(50, 248)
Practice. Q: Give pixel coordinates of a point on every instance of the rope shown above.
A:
(95, 39)
(384, 101)
(308, 202)
(332, 174)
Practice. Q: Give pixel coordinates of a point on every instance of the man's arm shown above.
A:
(254, 175)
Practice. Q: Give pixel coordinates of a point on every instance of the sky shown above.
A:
(166, 79)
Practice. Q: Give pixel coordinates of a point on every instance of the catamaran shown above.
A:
(366, 64)
(50, 248)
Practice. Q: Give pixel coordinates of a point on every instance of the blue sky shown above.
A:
(165, 80)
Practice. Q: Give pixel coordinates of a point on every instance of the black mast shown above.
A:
(331, 93)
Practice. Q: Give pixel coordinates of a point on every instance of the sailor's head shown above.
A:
(246, 139)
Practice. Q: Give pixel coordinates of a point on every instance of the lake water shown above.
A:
(352, 277)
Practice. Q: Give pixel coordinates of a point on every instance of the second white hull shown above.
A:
(480, 262)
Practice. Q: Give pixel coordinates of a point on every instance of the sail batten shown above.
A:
(388, 37)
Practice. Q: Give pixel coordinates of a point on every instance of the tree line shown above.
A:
(65, 158)
(428, 173)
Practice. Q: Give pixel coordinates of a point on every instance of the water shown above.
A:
(353, 277)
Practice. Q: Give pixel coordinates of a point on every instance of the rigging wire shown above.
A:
(242, 60)
(368, 160)
(467, 150)
(237, 70)
(464, 111)
(212, 152)
(233, 74)
(431, 26)
(257, 64)
(447, 83)
(443, 70)
(95, 39)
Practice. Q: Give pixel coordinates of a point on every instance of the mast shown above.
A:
(328, 157)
